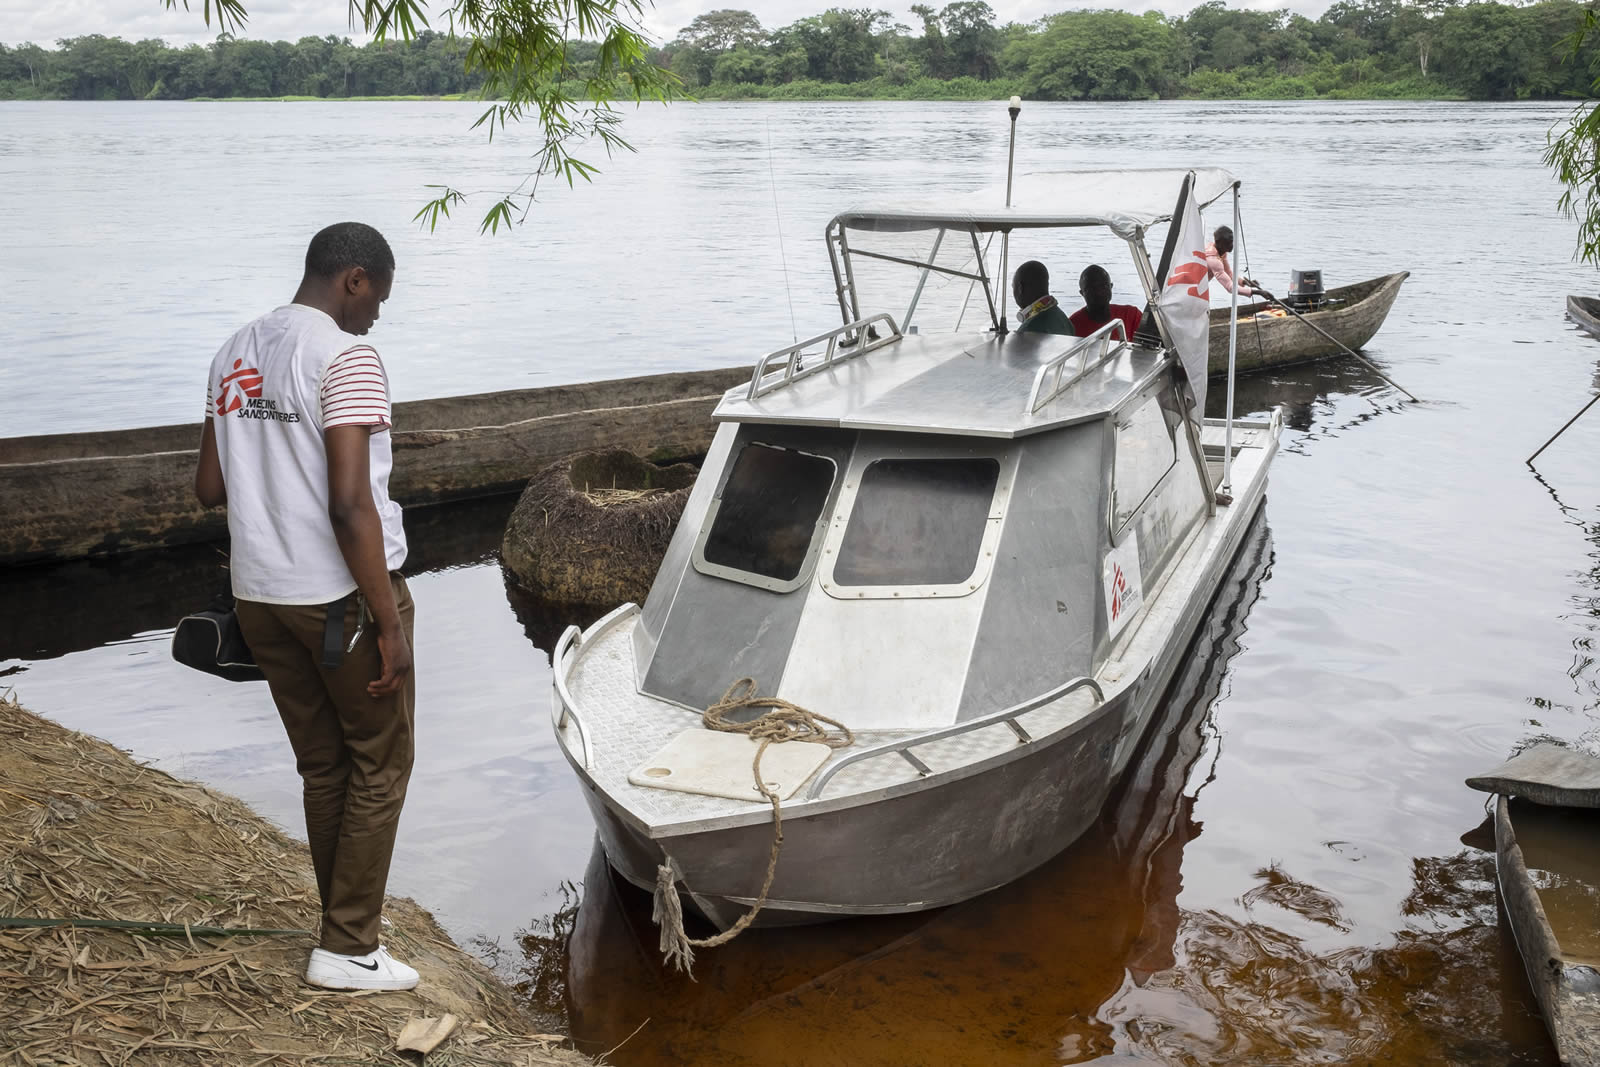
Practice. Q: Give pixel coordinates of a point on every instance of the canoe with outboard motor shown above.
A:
(1351, 313)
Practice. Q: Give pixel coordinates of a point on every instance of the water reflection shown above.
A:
(1311, 395)
(56, 609)
(1585, 615)
(544, 620)
(1448, 991)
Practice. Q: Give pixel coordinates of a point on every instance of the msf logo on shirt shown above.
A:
(236, 387)
(240, 395)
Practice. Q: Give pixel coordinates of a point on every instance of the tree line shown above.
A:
(95, 67)
(1357, 48)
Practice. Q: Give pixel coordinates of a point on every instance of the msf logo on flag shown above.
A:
(1194, 274)
(237, 386)
(1185, 299)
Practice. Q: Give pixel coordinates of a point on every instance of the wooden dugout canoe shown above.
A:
(1585, 311)
(1551, 782)
(1354, 316)
(104, 493)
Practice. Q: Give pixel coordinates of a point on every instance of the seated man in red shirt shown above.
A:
(1094, 285)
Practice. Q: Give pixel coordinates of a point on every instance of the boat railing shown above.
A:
(1009, 716)
(1053, 379)
(847, 342)
(572, 639)
(565, 708)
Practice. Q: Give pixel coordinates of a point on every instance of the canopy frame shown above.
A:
(841, 254)
(1129, 219)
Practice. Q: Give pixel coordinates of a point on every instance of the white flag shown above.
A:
(1186, 297)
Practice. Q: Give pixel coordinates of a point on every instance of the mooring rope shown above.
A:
(783, 721)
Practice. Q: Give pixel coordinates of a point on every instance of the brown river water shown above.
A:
(1293, 871)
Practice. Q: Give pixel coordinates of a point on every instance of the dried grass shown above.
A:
(592, 528)
(85, 832)
(608, 497)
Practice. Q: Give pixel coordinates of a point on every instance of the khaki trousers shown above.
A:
(353, 753)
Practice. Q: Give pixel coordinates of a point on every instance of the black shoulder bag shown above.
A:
(210, 641)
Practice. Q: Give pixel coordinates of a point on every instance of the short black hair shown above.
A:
(349, 244)
(1031, 277)
(1224, 233)
(1093, 272)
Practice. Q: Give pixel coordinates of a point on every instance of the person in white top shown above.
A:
(297, 445)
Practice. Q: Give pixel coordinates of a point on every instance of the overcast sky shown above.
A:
(46, 21)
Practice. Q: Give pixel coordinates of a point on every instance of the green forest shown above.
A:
(1358, 49)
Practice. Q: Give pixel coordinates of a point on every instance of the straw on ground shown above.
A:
(86, 832)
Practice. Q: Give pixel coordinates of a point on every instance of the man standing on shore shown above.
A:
(296, 443)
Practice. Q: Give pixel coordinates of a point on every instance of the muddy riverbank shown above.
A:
(86, 832)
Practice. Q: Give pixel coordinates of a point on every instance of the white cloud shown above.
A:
(46, 21)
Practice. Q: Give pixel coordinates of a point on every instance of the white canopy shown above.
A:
(1127, 201)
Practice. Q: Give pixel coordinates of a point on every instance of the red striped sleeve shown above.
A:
(355, 390)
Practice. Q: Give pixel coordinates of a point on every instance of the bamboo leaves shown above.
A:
(521, 49)
(1575, 157)
(231, 15)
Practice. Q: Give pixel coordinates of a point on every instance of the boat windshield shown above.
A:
(946, 280)
(917, 522)
(1146, 451)
(767, 512)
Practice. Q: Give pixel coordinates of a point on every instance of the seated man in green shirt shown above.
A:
(1037, 311)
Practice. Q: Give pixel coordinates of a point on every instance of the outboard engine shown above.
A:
(1305, 290)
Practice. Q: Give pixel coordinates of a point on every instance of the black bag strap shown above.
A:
(333, 634)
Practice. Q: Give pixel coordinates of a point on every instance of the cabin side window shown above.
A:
(1146, 451)
(766, 515)
(917, 522)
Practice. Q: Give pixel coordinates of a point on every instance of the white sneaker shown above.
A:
(377, 970)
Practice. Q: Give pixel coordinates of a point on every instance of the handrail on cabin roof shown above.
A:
(859, 344)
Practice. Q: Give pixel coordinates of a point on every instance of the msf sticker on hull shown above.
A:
(1124, 589)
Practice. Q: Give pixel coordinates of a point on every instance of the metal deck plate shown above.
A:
(1217, 437)
(956, 384)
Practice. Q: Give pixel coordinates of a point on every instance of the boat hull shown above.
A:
(1585, 311)
(932, 842)
(104, 493)
(1572, 1014)
(922, 849)
(1270, 342)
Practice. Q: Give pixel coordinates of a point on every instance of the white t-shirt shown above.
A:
(274, 388)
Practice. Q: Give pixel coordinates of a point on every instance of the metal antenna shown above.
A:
(1015, 109)
(794, 331)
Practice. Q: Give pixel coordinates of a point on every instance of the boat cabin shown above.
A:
(912, 530)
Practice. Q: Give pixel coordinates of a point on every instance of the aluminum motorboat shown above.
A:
(985, 552)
